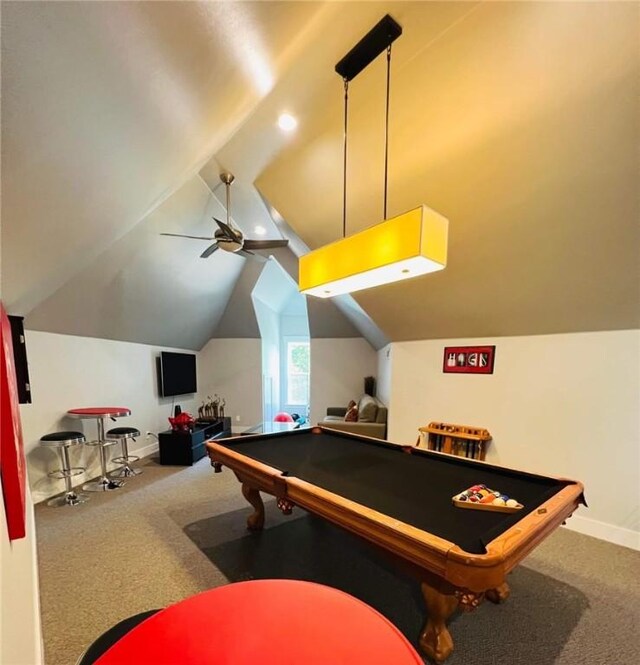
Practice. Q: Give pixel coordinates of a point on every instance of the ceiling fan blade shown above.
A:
(226, 229)
(209, 251)
(181, 235)
(250, 255)
(265, 244)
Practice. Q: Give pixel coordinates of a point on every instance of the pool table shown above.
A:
(399, 498)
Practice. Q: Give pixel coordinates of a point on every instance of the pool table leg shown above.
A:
(499, 594)
(435, 640)
(255, 521)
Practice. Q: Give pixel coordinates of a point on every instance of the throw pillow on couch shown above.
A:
(352, 413)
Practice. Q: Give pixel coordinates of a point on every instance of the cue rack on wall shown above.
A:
(460, 440)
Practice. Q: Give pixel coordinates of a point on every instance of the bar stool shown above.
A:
(62, 441)
(123, 434)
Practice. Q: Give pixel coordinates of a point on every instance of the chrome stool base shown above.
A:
(68, 499)
(103, 484)
(125, 471)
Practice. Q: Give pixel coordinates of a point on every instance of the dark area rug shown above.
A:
(531, 627)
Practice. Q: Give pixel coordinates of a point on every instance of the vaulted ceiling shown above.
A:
(517, 121)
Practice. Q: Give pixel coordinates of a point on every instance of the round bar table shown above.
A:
(100, 414)
(270, 622)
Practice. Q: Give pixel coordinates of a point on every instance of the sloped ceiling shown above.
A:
(518, 121)
(114, 119)
(147, 287)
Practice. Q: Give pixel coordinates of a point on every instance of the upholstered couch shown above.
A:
(372, 418)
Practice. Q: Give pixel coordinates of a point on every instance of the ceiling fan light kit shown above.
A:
(403, 247)
(227, 237)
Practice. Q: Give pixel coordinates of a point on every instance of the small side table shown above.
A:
(100, 414)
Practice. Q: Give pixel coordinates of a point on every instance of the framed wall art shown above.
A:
(468, 359)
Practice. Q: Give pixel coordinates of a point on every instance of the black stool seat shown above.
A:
(62, 438)
(123, 432)
(111, 636)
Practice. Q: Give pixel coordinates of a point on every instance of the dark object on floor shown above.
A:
(111, 636)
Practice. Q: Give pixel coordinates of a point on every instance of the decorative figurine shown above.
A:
(182, 423)
(216, 402)
(222, 404)
(201, 412)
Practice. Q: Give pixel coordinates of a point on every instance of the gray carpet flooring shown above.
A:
(173, 532)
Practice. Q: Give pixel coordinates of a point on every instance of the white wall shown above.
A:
(564, 405)
(338, 368)
(69, 372)
(233, 369)
(20, 631)
(269, 324)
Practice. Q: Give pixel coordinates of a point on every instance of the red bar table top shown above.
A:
(265, 622)
(100, 412)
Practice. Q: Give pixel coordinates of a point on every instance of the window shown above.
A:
(298, 373)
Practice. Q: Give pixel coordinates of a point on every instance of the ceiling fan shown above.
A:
(227, 237)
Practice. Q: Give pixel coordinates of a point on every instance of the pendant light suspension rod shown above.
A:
(344, 161)
(374, 43)
(386, 132)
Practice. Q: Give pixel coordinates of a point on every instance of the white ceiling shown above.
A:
(518, 121)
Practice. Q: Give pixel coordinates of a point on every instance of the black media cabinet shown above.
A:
(185, 448)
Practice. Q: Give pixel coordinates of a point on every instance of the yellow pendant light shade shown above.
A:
(411, 244)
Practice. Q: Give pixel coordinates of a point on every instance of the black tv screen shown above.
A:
(177, 373)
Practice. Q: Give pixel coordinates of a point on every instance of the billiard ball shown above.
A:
(512, 503)
(498, 502)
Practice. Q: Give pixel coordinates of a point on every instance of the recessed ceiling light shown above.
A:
(259, 230)
(287, 122)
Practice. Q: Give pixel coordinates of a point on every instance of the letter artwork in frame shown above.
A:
(468, 359)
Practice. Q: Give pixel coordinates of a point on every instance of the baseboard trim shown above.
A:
(617, 535)
(147, 450)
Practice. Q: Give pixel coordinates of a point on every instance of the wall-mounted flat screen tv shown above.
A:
(177, 373)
